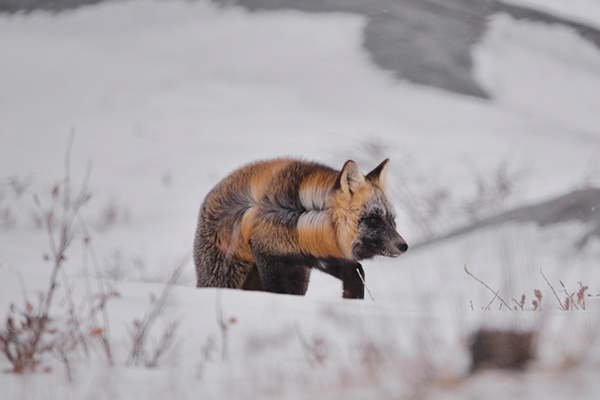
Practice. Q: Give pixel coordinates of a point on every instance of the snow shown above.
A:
(166, 98)
(543, 55)
(586, 12)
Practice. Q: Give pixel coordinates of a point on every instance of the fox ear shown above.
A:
(350, 179)
(379, 175)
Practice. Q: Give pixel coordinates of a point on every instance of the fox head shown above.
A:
(363, 217)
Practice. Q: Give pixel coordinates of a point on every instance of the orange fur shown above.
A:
(346, 210)
(316, 235)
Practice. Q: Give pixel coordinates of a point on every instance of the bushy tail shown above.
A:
(215, 269)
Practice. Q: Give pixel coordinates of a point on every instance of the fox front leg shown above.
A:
(351, 274)
(279, 274)
(354, 288)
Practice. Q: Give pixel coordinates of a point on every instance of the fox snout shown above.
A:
(396, 245)
(403, 247)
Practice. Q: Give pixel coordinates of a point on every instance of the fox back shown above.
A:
(267, 224)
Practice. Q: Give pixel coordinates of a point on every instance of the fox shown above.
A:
(269, 223)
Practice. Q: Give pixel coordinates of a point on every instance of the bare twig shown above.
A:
(521, 303)
(553, 291)
(489, 288)
(206, 355)
(315, 351)
(223, 326)
(22, 285)
(141, 328)
(164, 344)
(364, 283)
(69, 214)
(569, 296)
(491, 301)
(103, 293)
(74, 320)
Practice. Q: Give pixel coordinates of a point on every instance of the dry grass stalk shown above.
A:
(581, 295)
(315, 350)
(537, 304)
(224, 326)
(490, 289)
(491, 301)
(164, 344)
(364, 283)
(574, 300)
(69, 214)
(139, 334)
(562, 307)
(206, 353)
(97, 302)
(521, 303)
(569, 302)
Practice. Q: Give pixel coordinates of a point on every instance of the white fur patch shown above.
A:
(313, 220)
(313, 198)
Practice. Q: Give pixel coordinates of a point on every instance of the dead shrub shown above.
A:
(140, 352)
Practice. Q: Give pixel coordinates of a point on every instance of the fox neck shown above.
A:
(318, 234)
(344, 221)
(345, 232)
(327, 227)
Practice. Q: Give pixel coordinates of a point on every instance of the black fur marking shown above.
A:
(280, 216)
(348, 272)
(291, 273)
(277, 275)
(374, 175)
(252, 280)
(376, 234)
(234, 206)
(284, 206)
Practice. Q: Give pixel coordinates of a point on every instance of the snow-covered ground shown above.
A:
(582, 11)
(166, 98)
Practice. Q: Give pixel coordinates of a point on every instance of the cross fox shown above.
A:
(268, 223)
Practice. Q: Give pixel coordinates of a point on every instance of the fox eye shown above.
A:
(375, 220)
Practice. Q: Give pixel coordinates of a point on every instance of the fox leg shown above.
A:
(252, 281)
(350, 273)
(354, 288)
(281, 274)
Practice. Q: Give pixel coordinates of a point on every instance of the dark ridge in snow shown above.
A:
(580, 205)
(14, 6)
(427, 42)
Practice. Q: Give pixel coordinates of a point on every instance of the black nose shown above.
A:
(403, 247)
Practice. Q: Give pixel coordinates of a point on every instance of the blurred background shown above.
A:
(483, 106)
(489, 111)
